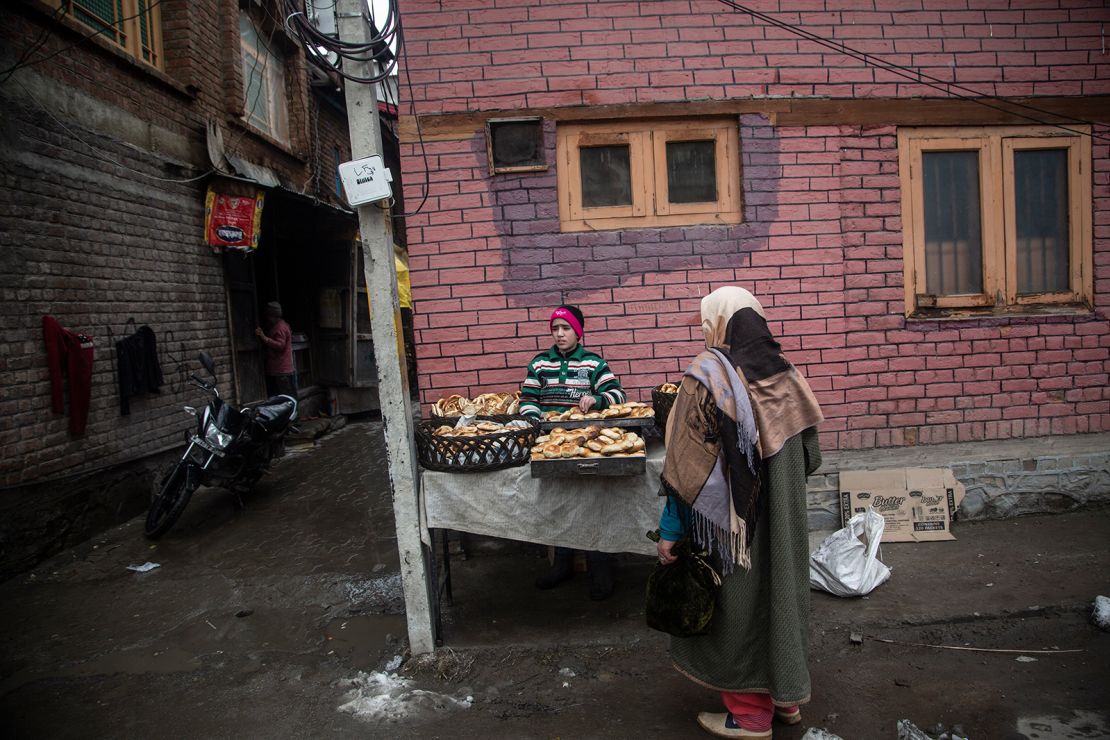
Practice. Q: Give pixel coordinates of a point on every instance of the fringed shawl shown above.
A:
(738, 404)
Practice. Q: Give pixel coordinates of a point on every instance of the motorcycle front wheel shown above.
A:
(169, 499)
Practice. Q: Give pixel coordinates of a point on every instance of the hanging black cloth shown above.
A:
(137, 367)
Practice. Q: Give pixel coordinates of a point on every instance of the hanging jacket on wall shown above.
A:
(137, 367)
(71, 353)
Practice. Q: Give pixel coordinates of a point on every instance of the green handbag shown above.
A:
(681, 596)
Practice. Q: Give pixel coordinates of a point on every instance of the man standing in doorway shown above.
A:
(281, 378)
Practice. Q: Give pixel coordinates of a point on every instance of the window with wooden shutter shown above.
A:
(133, 25)
(266, 101)
(996, 218)
(648, 173)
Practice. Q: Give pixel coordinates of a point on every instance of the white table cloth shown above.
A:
(603, 513)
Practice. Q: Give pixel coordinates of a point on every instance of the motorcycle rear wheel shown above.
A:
(169, 500)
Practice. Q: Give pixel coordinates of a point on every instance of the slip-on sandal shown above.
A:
(788, 715)
(722, 724)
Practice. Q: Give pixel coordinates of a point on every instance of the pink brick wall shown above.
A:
(475, 55)
(821, 238)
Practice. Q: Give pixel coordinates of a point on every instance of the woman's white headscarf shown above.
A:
(717, 309)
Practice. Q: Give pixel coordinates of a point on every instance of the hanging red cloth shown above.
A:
(72, 353)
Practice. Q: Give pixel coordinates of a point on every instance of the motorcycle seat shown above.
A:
(275, 413)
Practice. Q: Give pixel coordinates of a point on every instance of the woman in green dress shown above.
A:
(741, 439)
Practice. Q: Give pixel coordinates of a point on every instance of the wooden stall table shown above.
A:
(583, 512)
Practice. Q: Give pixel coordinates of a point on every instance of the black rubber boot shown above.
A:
(561, 571)
(601, 576)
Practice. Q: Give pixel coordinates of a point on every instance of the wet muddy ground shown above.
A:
(265, 621)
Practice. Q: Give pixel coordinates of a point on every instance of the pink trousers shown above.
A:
(751, 711)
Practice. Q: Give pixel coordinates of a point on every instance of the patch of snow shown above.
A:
(369, 593)
(1025, 659)
(1081, 724)
(568, 673)
(1101, 613)
(386, 696)
(909, 731)
(393, 664)
(149, 566)
(817, 733)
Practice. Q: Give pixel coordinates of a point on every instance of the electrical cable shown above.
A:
(107, 160)
(96, 152)
(314, 175)
(919, 77)
(319, 47)
(419, 136)
(376, 50)
(249, 81)
(881, 63)
(251, 103)
(35, 45)
(22, 64)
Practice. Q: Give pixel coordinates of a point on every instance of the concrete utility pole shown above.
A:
(381, 285)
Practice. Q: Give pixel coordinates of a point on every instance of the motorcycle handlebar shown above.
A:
(204, 386)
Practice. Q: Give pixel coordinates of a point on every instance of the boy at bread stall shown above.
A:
(563, 378)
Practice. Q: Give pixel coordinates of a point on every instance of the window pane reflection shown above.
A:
(606, 176)
(691, 171)
(1041, 210)
(953, 235)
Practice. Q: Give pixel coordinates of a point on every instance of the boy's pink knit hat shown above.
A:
(572, 315)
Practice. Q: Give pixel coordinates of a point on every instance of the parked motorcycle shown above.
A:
(231, 448)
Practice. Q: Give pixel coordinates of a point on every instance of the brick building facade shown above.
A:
(826, 172)
(109, 149)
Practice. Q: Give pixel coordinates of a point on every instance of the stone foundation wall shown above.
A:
(1003, 479)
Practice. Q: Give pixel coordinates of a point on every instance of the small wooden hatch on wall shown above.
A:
(515, 145)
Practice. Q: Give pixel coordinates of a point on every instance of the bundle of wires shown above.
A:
(382, 49)
(329, 52)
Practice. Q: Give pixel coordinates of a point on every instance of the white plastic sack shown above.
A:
(847, 562)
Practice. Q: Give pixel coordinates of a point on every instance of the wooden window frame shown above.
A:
(1078, 224)
(127, 34)
(727, 191)
(501, 170)
(637, 143)
(261, 52)
(647, 141)
(989, 198)
(996, 146)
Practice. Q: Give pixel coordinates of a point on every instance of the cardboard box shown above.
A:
(918, 504)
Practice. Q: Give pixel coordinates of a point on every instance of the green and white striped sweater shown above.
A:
(557, 382)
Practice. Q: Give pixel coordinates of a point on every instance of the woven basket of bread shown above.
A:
(487, 404)
(662, 399)
(488, 443)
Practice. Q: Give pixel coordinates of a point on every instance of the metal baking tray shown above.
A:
(642, 422)
(603, 466)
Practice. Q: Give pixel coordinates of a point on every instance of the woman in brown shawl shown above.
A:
(741, 439)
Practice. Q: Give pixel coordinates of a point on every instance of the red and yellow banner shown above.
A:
(233, 220)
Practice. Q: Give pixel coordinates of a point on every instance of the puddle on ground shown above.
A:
(135, 662)
(147, 660)
(1081, 724)
(364, 640)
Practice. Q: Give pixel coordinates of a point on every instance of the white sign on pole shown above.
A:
(366, 180)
